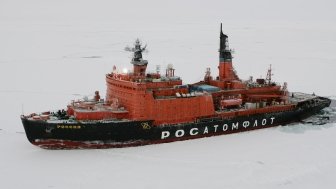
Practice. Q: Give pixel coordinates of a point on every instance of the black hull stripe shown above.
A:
(135, 133)
(67, 144)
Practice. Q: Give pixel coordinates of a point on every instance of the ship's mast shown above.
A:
(139, 65)
(226, 71)
(224, 50)
(269, 75)
(137, 57)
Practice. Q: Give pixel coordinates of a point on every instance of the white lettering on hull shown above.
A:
(165, 134)
(235, 126)
(225, 127)
(193, 131)
(179, 133)
(214, 128)
(246, 124)
(255, 123)
(206, 131)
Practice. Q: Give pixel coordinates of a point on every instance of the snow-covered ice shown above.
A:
(54, 51)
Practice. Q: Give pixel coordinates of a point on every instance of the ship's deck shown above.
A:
(57, 118)
(297, 97)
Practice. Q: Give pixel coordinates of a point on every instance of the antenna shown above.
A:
(269, 75)
(221, 28)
